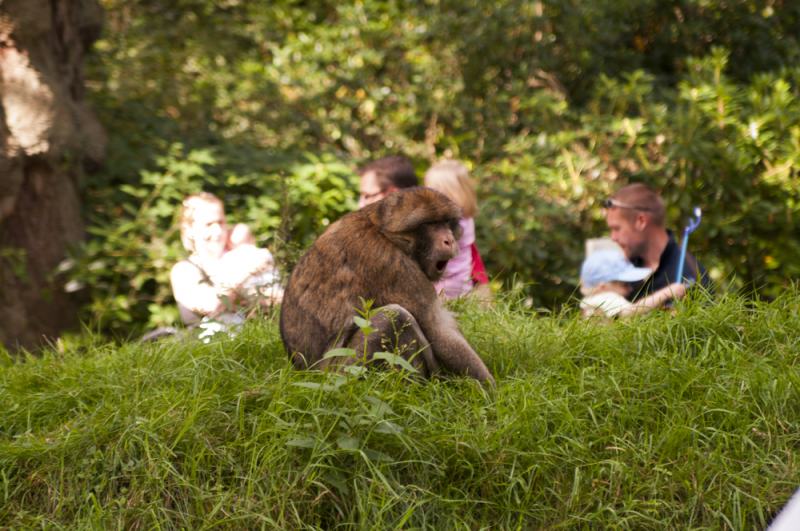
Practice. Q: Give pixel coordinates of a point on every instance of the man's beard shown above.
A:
(637, 251)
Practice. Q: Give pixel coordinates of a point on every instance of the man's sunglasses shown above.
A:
(613, 203)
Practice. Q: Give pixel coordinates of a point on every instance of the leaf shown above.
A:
(362, 323)
(375, 455)
(337, 480)
(394, 359)
(355, 370)
(348, 443)
(302, 442)
(389, 428)
(379, 407)
(314, 385)
(339, 353)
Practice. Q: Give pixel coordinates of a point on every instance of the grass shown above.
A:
(688, 421)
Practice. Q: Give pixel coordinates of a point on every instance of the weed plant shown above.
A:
(688, 420)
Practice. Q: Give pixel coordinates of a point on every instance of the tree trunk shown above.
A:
(48, 138)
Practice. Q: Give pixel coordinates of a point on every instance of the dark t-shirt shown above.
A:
(667, 271)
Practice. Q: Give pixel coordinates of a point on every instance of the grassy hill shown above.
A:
(667, 421)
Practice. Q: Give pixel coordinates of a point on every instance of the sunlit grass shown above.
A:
(679, 421)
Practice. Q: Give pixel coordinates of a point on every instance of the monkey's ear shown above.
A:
(406, 210)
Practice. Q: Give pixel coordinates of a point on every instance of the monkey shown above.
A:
(389, 252)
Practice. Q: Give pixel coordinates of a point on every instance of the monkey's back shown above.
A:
(349, 261)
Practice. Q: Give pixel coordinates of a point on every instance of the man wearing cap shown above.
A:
(606, 280)
(635, 217)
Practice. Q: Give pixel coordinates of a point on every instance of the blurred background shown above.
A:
(553, 104)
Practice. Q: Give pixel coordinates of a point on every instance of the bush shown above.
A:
(554, 105)
(124, 268)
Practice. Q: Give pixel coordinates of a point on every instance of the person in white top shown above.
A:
(606, 275)
(225, 273)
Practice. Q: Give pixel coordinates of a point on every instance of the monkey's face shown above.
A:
(437, 244)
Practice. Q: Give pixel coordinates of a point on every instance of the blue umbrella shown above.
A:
(690, 228)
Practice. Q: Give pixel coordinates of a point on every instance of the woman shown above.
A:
(225, 272)
(463, 272)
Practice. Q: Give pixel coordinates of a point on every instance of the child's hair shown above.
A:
(186, 217)
(451, 178)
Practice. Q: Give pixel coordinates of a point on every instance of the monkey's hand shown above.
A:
(451, 349)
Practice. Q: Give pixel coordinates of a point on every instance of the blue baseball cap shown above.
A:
(609, 265)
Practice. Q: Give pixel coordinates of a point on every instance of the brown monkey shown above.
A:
(389, 252)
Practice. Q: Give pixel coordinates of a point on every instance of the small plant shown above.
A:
(363, 320)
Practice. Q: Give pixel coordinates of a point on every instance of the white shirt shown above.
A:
(607, 303)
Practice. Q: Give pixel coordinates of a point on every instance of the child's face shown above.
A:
(623, 288)
(209, 231)
(241, 235)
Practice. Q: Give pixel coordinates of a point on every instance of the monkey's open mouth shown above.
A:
(440, 265)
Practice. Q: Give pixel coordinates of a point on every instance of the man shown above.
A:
(381, 177)
(635, 217)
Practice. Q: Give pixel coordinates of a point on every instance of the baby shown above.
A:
(251, 268)
(605, 278)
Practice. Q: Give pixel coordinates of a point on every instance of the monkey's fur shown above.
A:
(389, 252)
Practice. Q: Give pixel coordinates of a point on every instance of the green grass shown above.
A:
(666, 421)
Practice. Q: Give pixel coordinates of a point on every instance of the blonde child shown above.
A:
(605, 278)
(451, 178)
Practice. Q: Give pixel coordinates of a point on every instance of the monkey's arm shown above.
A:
(450, 347)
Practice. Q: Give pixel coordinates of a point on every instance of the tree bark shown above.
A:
(48, 139)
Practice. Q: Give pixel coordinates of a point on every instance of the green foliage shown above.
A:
(553, 103)
(732, 149)
(685, 421)
(125, 268)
